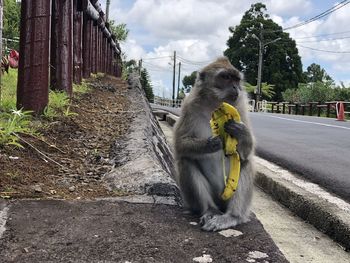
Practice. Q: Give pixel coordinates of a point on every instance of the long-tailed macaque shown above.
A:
(199, 155)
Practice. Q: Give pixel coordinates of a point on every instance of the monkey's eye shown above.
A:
(226, 76)
(235, 78)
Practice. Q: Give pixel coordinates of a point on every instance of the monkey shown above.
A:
(198, 155)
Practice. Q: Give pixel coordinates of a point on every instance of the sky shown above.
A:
(198, 31)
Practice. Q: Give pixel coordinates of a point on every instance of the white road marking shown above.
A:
(309, 122)
(310, 187)
(3, 219)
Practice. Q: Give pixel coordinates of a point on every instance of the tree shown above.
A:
(146, 85)
(119, 30)
(181, 94)
(11, 22)
(267, 90)
(308, 92)
(188, 81)
(281, 62)
(315, 73)
(342, 93)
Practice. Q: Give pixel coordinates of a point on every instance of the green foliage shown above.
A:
(80, 89)
(119, 30)
(181, 94)
(315, 73)
(267, 90)
(13, 123)
(291, 95)
(59, 105)
(188, 81)
(281, 62)
(8, 90)
(146, 85)
(58, 99)
(311, 92)
(11, 16)
(342, 93)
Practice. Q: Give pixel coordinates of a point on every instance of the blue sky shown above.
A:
(198, 31)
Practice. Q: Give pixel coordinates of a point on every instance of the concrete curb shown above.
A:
(331, 217)
(326, 212)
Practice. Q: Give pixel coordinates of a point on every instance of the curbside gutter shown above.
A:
(328, 213)
(143, 163)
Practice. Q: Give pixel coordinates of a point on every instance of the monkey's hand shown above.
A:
(214, 144)
(236, 129)
(245, 139)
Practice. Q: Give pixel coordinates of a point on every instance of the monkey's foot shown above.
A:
(220, 222)
(209, 214)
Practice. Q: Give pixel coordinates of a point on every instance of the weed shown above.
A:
(59, 105)
(50, 113)
(83, 88)
(8, 189)
(13, 175)
(17, 121)
(58, 99)
(9, 90)
(68, 113)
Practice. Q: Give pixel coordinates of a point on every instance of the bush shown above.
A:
(307, 92)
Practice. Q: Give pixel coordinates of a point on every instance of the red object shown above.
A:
(341, 114)
(13, 58)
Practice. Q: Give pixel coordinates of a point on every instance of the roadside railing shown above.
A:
(61, 42)
(167, 102)
(327, 109)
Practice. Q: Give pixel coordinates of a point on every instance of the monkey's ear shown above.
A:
(201, 76)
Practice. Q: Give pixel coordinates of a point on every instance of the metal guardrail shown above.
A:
(167, 102)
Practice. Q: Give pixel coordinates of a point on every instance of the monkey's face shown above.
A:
(227, 84)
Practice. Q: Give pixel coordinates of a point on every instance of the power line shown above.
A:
(327, 51)
(323, 14)
(327, 39)
(153, 65)
(323, 35)
(185, 60)
(153, 58)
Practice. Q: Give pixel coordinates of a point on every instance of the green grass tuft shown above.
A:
(14, 123)
(8, 90)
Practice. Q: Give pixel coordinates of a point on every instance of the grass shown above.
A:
(81, 89)
(14, 122)
(8, 90)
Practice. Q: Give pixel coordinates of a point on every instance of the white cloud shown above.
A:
(288, 8)
(198, 31)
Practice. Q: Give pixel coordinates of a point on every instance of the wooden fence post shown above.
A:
(33, 72)
(62, 45)
(77, 42)
(87, 52)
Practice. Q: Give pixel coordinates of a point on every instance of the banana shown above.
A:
(219, 117)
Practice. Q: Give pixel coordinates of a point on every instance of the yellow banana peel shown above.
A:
(219, 117)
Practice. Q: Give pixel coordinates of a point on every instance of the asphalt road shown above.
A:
(316, 148)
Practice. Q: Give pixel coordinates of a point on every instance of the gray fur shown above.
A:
(199, 156)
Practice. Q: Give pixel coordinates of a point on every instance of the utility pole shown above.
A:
(108, 2)
(178, 81)
(262, 45)
(140, 66)
(174, 79)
